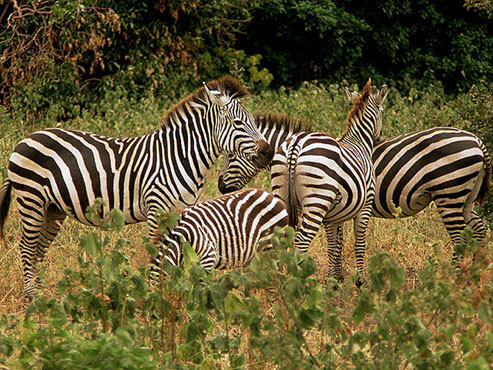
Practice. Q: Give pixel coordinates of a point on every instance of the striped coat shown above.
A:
(57, 172)
(225, 232)
(328, 181)
(447, 166)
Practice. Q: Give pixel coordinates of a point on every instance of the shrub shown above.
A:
(107, 316)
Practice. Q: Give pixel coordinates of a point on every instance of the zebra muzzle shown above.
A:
(265, 153)
(225, 189)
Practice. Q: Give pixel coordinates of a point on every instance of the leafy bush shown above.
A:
(475, 113)
(410, 43)
(275, 313)
(60, 57)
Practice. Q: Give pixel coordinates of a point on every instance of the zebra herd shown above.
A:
(326, 181)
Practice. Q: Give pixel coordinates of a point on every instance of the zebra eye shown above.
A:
(237, 122)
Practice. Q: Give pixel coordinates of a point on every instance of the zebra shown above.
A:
(237, 171)
(329, 180)
(405, 185)
(225, 232)
(59, 172)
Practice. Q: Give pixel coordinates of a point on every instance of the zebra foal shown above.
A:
(58, 172)
(225, 232)
(329, 181)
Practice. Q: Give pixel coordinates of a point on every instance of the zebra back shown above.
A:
(225, 231)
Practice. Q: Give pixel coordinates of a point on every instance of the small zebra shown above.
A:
(58, 172)
(225, 232)
(330, 181)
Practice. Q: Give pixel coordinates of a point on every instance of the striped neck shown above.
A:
(360, 132)
(189, 136)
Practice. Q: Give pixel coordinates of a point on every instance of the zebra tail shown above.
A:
(292, 157)
(4, 206)
(486, 184)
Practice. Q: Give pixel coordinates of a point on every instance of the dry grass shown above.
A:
(410, 241)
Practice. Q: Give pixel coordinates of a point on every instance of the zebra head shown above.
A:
(369, 106)
(235, 130)
(237, 171)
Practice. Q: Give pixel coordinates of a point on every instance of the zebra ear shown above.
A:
(382, 93)
(351, 95)
(215, 96)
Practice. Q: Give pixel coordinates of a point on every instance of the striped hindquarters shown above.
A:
(440, 164)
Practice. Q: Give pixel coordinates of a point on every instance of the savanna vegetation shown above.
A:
(115, 67)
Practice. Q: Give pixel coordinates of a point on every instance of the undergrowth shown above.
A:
(273, 313)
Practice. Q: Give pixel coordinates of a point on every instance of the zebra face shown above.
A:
(237, 134)
(236, 131)
(236, 173)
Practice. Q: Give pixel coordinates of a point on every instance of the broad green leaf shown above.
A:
(91, 244)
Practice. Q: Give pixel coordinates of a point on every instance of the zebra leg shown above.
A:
(32, 219)
(310, 224)
(33, 254)
(167, 253)
(475, 223)
(334, 235)
(360, 226)
(152, 223)
(453, 219)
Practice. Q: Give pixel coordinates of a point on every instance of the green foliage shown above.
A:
(107, 316)
(408, 43)
(60, 59)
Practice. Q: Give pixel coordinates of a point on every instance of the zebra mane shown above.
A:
(282, 121)
(360, 103)
(227, 85)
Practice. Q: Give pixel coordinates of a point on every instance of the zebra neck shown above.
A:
(190, 148)
(276, 135)
(356, 135)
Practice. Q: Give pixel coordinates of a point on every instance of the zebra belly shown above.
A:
(416, 204)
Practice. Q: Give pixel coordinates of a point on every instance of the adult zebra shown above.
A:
(57, 172)
(448, 166)
(330, 181)
(225, 232)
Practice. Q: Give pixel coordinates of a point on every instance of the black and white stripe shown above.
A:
(225, 232)
(237, 171)
(447, 166)
(330, 181)
(57, 172)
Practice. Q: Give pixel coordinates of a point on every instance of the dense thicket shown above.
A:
(62, 56)
(406, 42)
